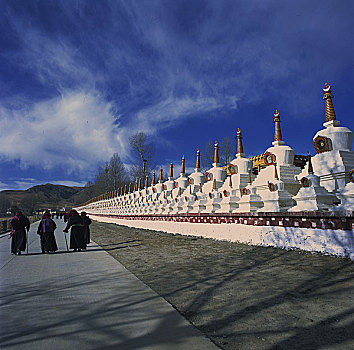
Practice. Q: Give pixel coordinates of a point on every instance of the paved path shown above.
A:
(84, 300)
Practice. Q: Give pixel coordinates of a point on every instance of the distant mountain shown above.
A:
(45, 196)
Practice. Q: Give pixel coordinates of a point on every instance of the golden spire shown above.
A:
(183, 168)
(327, 96)
(153, 178)
(239, 142)
(214, 185)
(146, 181)
(139, 184)
(125, 188)
(230, 181)
(309, 167)
(121, 190)
(277, 131)
(216, 153)
(130, 187)
(249, 175)
(197, 165)
(171, 170)
(160, 179)
(200, 188)
(180, 191)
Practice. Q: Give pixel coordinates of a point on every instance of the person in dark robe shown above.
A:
(19, 225)
(87, 222)
(45, 231)
(77, 238)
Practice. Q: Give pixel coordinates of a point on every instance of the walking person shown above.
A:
(19, 225)
(87, 222)
(45, 231)
(77, 239)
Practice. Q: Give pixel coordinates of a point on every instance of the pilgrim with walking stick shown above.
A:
(45, 231)
(77, 234)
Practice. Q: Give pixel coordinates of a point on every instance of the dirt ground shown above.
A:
(240, 296)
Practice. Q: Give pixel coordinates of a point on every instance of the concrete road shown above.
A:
(83, 300)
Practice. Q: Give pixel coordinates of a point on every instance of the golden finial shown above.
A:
(200, 188)
(309, 167)
(327, 96)
(239, 142)
(197, 165)
(125, 189)
(160, 179)
(130, 187)
(277, 131)
(216, 153)
(249, 175)
(230, 181)
(214, 185)
(153, 178)
(146, 181)
(183, 168)
(171, 170)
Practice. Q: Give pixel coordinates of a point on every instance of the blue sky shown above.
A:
(77, 78)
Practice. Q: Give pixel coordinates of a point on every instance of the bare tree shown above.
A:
(117, 175)
(112, 176)
(227, 150)
(207, 155)
(143, 152)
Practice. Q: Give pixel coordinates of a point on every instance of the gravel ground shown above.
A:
(240, 296)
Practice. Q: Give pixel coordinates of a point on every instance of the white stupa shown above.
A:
(277, 198)
(195, 179)
(239, 167)
(346, 197)
(213, 200)
(250, 201)
(216, 175)
(312, 196)
(283, 156)
(333, 145)
(230, 198)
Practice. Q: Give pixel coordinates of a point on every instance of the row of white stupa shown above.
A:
(280, 186)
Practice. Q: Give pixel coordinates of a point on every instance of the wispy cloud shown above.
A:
(75, 130)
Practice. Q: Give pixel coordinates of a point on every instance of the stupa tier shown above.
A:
(275, 181)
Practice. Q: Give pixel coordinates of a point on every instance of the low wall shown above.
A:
(315, 233)
(6, 227)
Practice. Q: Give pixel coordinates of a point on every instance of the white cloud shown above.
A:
(75, 130)
(173, 110)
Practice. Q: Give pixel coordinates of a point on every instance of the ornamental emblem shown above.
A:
(244, 191)
(208, 176)
(351, 175)
(226, 193)
(232, 169)
(322, 144)
(305, 182)
(269, 158)
(271, 187)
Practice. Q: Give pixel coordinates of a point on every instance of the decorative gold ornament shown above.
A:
(322, 144)
(271, 187)
(305, 182)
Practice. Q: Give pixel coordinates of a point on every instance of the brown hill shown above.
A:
(45, 196)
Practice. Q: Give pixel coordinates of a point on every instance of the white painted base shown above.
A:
(336, 242)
